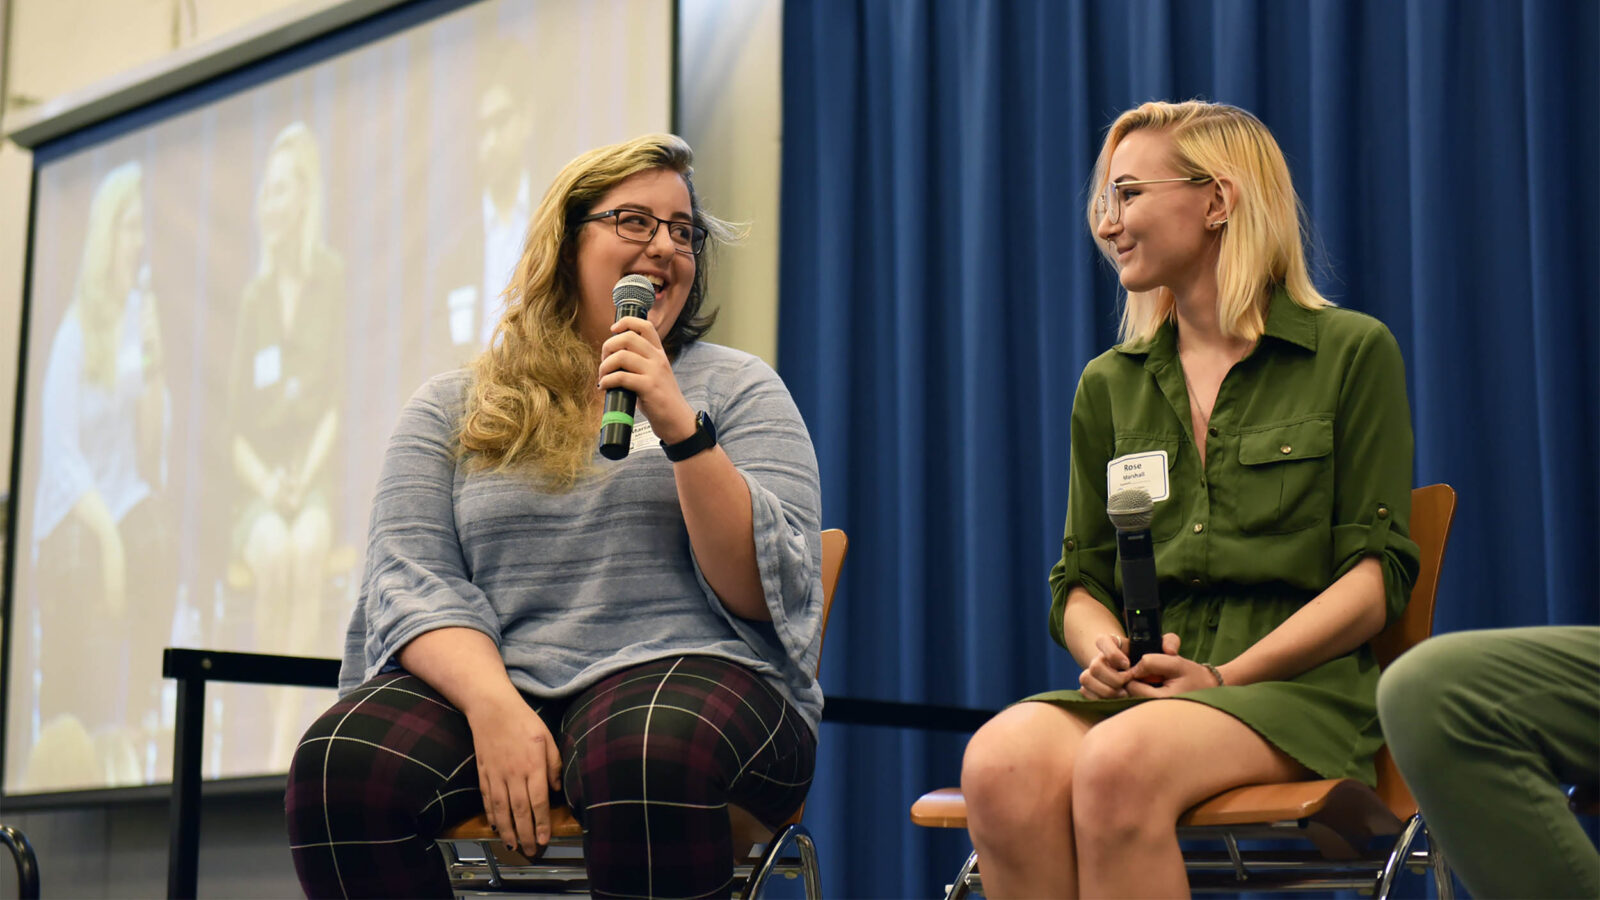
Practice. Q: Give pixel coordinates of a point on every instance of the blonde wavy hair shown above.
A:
(533, 404)
(1263, 242)
(98, 298)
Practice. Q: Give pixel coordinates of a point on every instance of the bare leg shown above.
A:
(1017, 778)
(1138, 771)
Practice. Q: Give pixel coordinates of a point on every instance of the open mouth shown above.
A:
(657, 282)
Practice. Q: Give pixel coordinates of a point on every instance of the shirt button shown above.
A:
(1072, 545)
(1285, 449)
(1199, 527)
(1383, 512)
(1211, 431)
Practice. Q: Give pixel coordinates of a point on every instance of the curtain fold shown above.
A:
(940, 295)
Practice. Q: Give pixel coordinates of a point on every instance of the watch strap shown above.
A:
(704, 438)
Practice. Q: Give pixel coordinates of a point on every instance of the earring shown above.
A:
(1219, 223)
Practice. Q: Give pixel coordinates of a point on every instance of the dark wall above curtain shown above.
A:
(940, 294)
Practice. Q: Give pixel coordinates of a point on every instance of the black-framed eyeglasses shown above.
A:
(640, 227)
(1109, 204)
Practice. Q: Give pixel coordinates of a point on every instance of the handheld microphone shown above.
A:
(1131, 511)
(632, 296)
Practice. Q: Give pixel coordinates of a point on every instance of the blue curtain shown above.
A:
(940, 295)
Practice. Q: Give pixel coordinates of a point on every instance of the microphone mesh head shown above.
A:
(633, 289)
(1130, 510)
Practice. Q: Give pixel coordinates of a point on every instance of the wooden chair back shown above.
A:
(1433, 509)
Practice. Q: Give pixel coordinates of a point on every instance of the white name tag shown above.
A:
(269, 366)
(643, 435)
(1144, 471)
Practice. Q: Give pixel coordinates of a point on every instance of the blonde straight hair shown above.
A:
(1263, 240)
(533, 405)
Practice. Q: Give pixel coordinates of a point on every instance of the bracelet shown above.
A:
(1214, 673)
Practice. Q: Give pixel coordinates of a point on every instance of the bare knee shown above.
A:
(1116, 791)
(1017, 769)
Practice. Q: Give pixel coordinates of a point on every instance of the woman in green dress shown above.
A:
(1275, 438)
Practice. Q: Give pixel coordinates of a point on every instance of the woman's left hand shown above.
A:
(1167, 674)
(634, 358)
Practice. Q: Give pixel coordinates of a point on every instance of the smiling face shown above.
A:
(604, 257)
(1162, 239)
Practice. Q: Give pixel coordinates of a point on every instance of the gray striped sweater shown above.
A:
(575, 586)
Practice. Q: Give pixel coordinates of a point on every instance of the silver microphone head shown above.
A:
(1131, 510)
(633, 289)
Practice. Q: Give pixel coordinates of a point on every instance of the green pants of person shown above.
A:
(1486, 726)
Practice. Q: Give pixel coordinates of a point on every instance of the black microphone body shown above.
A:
(632, 296)
(1130, 511)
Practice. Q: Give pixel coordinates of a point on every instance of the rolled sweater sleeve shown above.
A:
(760, 428)
(416, 577)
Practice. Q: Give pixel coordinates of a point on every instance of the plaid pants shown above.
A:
(651, 757)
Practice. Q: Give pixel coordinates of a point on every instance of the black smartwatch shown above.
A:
(704, 438)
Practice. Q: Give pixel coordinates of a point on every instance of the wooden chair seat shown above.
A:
(943, 808)
(748, 833)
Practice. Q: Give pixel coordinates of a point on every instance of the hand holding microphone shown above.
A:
(632, 296)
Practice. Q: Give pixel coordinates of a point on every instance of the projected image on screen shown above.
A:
(227, 309)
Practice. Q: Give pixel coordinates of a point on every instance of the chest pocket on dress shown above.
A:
(1169, 513)
(1286, 476)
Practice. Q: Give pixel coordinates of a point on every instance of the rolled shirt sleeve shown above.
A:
(1089, 545)
(1372, 469)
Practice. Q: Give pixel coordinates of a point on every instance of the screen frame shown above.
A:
(211, 73)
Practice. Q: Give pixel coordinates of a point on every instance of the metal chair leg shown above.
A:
(1397, 857)
(959, 889)
(810, 871)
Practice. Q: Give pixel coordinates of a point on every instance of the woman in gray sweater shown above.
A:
(537, 624)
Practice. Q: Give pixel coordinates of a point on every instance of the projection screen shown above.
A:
(227, 307)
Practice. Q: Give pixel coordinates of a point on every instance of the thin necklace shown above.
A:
(1194, 401)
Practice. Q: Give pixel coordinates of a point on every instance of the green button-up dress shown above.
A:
(1307, 471)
